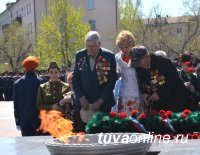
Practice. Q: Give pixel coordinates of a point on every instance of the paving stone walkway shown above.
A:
(7, 121)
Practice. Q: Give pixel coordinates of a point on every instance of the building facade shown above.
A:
(102, 15)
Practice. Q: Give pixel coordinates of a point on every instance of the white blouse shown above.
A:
(129, 89)
(129, 85)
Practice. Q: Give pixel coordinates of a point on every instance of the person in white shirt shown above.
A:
(129, 95)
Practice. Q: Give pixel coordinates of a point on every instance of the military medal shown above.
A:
(102, 67)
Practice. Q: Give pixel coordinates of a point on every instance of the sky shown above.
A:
(3, 4)
(168, 7)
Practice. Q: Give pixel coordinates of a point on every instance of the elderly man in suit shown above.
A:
(159, 81)
(94, 76)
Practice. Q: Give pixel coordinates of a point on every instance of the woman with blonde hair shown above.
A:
(129, 95)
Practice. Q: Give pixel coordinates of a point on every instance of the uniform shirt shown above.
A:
(92, 61)
(50, 93)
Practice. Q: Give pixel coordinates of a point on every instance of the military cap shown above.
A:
(53, 65)
(136, 54)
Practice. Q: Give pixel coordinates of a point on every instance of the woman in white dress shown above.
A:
(129, 95)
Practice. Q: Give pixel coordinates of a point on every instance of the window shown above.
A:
(29, 7)
(24, 10)
(19, 12)
(90, 4)
(28, 29)
(31, 32)
(92, 24)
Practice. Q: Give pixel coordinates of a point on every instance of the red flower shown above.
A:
(153, 134)
(142, 116)
(161, 112)
(180, 136)
(99, 58)
(164, 116)
(187, 63)
(183, 115)
(171, 136)
(113, 114)
(134, 112)
(195, 136)
(187, 111)
(190, 70)
(122, 115)
(190, 136)
(169, 114)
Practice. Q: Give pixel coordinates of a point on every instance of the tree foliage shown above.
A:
(156, 32)
(14, 46)
(61, 33)
(193, 10)
(177, 37)
(129, 14)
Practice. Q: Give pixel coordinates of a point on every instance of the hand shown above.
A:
(145, 96)
(190, 86)
(96, 105)
(84, 103)
(153, 97)
(18, 127)
(65, 100)
(58, 108)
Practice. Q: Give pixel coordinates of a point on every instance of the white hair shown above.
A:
(161, 53)
(92, 36)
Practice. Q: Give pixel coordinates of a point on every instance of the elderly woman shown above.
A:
(51, 94)
(129, 94)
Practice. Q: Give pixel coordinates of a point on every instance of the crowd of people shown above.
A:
(7, 80)
(132, 79)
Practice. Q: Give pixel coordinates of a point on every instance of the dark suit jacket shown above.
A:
(98, 83)
(162, 77)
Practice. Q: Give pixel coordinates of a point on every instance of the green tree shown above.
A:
(129, 15)
(61, 33)
(193, 38)
(14, 46)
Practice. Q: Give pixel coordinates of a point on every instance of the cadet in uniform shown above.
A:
(159, 81)
(51, 93)
(24, 96)
(8, 86)
(1, 89)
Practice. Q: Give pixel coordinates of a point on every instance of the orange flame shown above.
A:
(54, 123)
